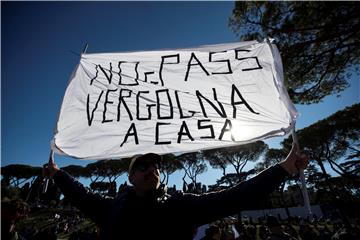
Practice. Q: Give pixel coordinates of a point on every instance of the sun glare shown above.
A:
(242, 133)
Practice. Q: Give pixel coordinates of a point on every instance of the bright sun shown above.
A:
(241, 133)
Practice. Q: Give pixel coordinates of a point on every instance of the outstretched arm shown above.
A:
(212, 206)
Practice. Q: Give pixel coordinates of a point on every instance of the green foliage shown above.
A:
(319, 42)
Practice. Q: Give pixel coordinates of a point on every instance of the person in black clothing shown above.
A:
(146, 211)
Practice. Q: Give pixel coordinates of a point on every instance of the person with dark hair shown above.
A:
(146, 211)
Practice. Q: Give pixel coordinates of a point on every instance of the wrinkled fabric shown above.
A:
(179, 100)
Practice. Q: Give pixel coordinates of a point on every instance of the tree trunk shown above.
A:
(167, 179)
(327, 180)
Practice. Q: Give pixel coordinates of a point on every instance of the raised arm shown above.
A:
(91, 204)
(212, 206)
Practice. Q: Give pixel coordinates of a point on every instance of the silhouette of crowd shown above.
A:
(272, 228)
(68, 223)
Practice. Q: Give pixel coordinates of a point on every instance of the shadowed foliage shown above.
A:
(319, 42)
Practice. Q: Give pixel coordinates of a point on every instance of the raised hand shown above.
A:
(295, 161)
(50, 168)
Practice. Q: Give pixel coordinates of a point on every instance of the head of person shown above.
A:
(144, 172)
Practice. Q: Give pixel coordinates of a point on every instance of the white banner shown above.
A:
(181, 100)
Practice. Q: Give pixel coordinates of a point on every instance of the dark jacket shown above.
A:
(166, 217)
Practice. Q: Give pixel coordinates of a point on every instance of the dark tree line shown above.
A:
(332, 143)
(318, 41)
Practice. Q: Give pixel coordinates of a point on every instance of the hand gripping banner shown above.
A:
(179, 100)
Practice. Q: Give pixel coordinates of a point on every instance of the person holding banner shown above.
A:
(145, 211)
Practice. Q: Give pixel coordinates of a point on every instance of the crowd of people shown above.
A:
(68, 223)
(271, 228)
(145, 210)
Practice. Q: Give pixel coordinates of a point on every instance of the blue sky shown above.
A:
(38, 41)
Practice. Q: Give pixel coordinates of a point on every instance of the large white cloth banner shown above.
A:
(180, 100)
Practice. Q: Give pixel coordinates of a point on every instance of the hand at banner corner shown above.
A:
(295, 161)
(50, 169)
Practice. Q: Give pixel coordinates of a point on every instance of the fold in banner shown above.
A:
(180, 100)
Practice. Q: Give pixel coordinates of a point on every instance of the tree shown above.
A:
(168, 166)
(96, 171)
(332, 140)
(230, 179)
(314, 177)
(106, 169)
(193, 164)
(352, 164)
(17, 174)
(237, 157)
(217, 159)
(115, 168)
(75, 170)
(344, 189)
(319, 42)
(101, 170)
(272, 156)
